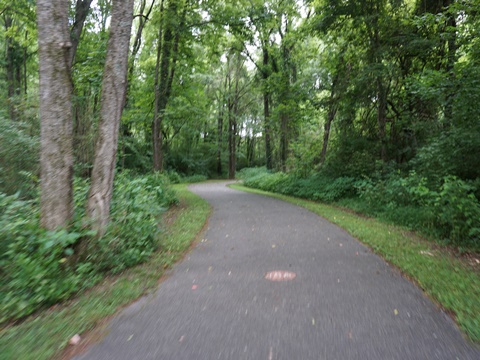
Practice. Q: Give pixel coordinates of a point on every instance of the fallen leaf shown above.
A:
(395, 312)
(130, 337)
(426, 253)
(75, 339)
(313, 321)
(274, 246)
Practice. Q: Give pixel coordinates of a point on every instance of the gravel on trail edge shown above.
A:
(270, 280)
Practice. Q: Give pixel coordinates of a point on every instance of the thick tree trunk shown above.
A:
(114, 85)
(56, 155)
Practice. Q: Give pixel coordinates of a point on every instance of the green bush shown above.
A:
(247, 173)
(445, 208)
(194, 178)
(34, 266)
(18, 159)
(173, 176)
(39, 268)
(315, 187)
(457, 213)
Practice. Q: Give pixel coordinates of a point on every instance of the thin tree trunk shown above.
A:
(25, 65)
(451, 60)
(326, 132)
(156, 133)
(284, 139)
(382, 118)
(266, 109)
(82, 7)
(137, 42)
(10, 67)
(220, 139)
(114, 85)
(56, 154)
(167, 59)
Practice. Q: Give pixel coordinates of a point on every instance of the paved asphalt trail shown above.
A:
(345, 303)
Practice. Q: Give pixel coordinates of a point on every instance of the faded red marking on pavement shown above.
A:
(280, 275)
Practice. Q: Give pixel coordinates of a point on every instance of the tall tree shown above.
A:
(112, 102)
(55, 113)
(170, 31)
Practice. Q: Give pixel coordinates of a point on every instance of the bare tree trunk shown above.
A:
(56, 155)
(113, 95)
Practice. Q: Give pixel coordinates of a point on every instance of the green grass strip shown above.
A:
(45, 335)
(447, 280)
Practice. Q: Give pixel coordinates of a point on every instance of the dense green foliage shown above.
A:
(372, 104)
(40, 268)
(446, 210)
(44, 336)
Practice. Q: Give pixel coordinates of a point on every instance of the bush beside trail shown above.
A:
(39, 268)
(446, 209)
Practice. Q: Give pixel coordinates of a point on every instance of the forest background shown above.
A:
(372, 105)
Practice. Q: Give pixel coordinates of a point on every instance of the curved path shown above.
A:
(344, 303)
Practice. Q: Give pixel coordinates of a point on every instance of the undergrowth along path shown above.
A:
(45, 335)
(337, 299)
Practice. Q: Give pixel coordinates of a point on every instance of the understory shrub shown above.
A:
(176, 178)
(446, 208)
(18, 158)
(39, 268)
(315, 187)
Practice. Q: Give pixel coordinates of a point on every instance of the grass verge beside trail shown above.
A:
(45, 335)
(450, 282)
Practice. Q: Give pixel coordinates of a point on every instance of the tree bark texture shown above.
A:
(114, 85)
(56, 157)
